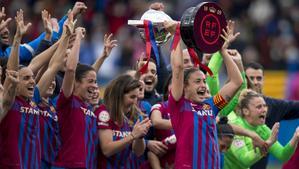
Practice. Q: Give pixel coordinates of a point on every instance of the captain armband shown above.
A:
(219, 101)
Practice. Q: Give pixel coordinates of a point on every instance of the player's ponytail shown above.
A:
(224, 129)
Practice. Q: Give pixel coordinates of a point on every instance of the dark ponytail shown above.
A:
(224, 129)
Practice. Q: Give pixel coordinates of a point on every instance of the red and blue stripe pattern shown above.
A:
(49, 129)
(50, 138)
(78, 132)
(199, 148)
(124, 159)
(19, 136)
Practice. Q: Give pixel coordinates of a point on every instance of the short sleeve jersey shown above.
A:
(19, 136)
(160, 134)
(195, 129)
(78, 132)
(123, 159)
(49, 129)
(162, 107)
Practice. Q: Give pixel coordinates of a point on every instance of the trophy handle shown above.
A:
(139, 23)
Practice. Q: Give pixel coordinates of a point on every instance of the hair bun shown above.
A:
(223, 120)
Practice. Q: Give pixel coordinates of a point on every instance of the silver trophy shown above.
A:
(157, 18)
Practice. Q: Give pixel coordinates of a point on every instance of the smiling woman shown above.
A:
(20, 117)
(119, 140)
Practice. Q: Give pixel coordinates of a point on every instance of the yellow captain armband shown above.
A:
(219, 101)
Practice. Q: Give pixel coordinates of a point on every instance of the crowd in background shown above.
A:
(270, 29)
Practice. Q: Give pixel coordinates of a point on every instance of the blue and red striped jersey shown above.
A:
(162, 134)
(78, 132)
(124, 159)
(19, 136)
(49, 129)
(195, 129)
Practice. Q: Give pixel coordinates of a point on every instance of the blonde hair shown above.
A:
(244, 99)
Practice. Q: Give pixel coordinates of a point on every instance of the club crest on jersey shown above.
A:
(104, 116)
(88, 112)
(32, 104)
(206, 107)
(238, 143)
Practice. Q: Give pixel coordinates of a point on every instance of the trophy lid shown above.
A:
(155, 16)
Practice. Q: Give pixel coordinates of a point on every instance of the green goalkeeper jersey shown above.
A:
(213, 83)
(242, 155)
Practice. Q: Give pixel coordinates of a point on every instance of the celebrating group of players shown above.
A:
(52, 117)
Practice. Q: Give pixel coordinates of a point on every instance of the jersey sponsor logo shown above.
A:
(29, 110)
(121, 134)
(208, 112)
(238, 143)
(47, 114)
(88, 112)
(104, 116)
(205, 110)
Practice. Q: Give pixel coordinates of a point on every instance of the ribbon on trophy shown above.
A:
(197, 62)
(150, 43)
(176, 37)
(191, 51)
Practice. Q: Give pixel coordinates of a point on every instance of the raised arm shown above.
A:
(235, 100)
(109, 44)
(46, 17)
(43, 58)
(177, 64)
(28, 49)
(215, 65)
(9, 93)
(229, 89)
(284, 153)
(13, 64)
(3, 23)
(71, 64)
(13, 61)
(57, 62)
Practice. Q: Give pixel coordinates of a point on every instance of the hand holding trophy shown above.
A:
(152, 31)
(156, 16)
(200, 29)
